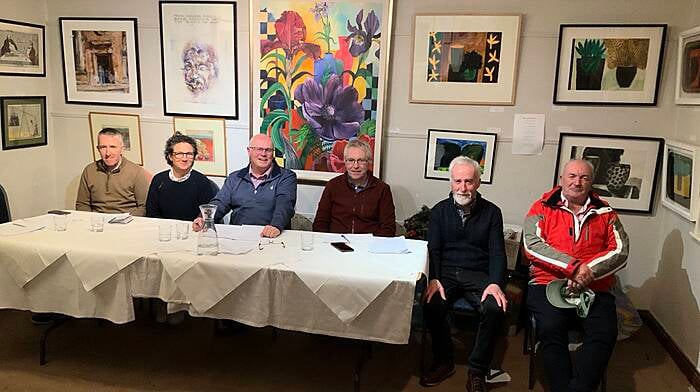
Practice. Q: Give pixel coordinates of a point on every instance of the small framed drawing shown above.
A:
(609, 64)
(100, 61)
(443, 146)
(688, 72)
(210, 135)
(199, 57)
(681, 179)
(465, 59)
(128, 125)
(23, 122)
(624, 167)
(22, 52)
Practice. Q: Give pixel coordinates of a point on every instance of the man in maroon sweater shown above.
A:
(356, 201)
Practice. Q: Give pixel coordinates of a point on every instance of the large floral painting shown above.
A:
(321, 70)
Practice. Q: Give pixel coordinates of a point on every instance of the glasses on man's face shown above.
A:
(266, 241)
(261, 150)
(183, 155)
(352, 162)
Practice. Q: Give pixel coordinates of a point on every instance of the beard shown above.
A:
(463, 199)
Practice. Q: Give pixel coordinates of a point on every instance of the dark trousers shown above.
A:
(599, 336)
(470, 285)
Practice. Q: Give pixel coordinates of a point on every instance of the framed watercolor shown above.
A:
(609, 64)
(100, 61)
(688, 71)
(323, 85)
(23, 122)
(443, 146)
(129, 125)
(465, 59)
(199, 56)
(210, 135)
(681, 179)
(625, 167)
(22, 49)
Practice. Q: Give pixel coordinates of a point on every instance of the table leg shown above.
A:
(365, 354)
(42, 344)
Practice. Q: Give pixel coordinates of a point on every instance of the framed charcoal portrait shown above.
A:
(443, 146)
(625, 167)
(100, 61)
(22, 50)
(681, 184)
(23, 122)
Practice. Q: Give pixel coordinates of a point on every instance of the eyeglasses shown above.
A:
(261, 150)
(180, 155)
(360, 162)
(266, 241)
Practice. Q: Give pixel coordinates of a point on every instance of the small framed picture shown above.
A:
(609, 64)
(688, 71)
(210, 135)
(443, 146)
(100, 61)
(681, 179)
(23, 122)
(128, 125)
(22, 52)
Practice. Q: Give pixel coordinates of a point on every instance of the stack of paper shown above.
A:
(395, 245)
(19, 227)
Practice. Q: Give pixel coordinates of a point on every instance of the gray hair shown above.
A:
(462, 160)
(570, 161)
(110, 132)
(356, 143)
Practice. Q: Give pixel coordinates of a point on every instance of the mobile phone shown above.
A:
(342, 246)
(58, 212)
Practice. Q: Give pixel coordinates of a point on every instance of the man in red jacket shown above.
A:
(356, 201)
(570, 233)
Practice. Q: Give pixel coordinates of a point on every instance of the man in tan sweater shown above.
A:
(112, 184)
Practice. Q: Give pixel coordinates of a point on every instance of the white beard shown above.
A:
(462, 200)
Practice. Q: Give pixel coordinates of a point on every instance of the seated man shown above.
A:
(113, 183)
(178, 192)
(467, 260)
(570, 233)
(261, 193)
(356, 201)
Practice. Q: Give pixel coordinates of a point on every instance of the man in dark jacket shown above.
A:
(467, 260)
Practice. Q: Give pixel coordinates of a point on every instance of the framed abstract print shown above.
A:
(319, 76)
(444, 146)
(128, 125)
(23, 122)
(681, 181)
(210, 136)
(688, 70)
(22, 50)
(465, 59)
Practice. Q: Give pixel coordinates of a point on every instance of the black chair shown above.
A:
(4, 206)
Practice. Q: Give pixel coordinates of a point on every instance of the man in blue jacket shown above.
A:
(261, 193)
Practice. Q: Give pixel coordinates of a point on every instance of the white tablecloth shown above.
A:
(85, 274)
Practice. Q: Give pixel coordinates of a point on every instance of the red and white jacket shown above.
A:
(556, 242)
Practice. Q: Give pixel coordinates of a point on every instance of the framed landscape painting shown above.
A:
(624, 167)
(465, 59)
(128, 125)
(23, 122)
(681, 181)
(210, 135)
(22, 50)
(688, 70)
(612, 64)
(100, 61)
(319, 74)
(443, 146)
(199, 56)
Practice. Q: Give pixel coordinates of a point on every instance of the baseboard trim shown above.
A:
(683, 363)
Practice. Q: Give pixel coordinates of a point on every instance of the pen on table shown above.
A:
(345, 238)
(18, 224)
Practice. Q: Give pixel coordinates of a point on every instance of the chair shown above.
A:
(4, 206)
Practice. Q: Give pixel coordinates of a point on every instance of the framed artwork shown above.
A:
(624, 167)
(210, 135)
(319, 74)
(22, 52)
(688, 72)
(199, 56)
(609, 64)
(100, 61)
(444, 146)
(23, 122)
(465, 59)
(681, 179)
(128, 125)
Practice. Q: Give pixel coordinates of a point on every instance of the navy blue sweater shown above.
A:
(178, 200)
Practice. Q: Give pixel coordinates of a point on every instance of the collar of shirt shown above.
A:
(358, 188)
(106, 170)
(184, 178)
(257, 180)
(583, 209)
(464, 211)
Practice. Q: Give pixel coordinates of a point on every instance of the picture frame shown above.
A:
(625, 167)
(129, 125)
(465, 59)
(688, 68)
(343, 58)
(22, 49)
(100, 61)
(23, 122)
(444, 145)
(210, 135)
(609, 64)
(199, 58)
(681, 179)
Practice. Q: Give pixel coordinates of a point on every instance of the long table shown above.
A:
(80, 273)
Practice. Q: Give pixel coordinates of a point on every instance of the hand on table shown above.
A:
(270, 231)
(434, 286)
(495, 291)
(197, 224)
